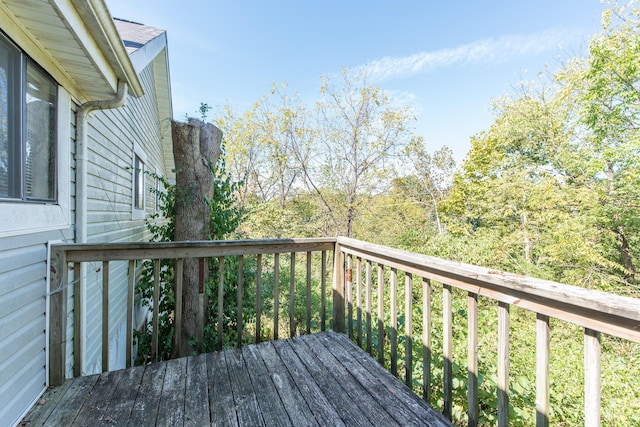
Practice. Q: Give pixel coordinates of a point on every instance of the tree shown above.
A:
(196, 148)
(360, 134)
(606, 89)
(343, 150)
(433, 176)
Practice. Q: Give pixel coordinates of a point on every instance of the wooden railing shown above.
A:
(597, 312)
(65, 258)
(376, 269)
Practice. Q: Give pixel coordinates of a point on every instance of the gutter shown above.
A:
(82, 154)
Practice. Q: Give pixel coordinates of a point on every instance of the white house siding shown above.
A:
(23, 289)
(112, 136)
(23, 272)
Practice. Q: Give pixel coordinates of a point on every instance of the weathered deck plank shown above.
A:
(124, 396)
(196, 404)
(291, 396)
(222, 411)
(271, 406)
(313, 380)
(244, 398)
(145, 407)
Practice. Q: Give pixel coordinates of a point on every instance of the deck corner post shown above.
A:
(338, 289)
(58, 317)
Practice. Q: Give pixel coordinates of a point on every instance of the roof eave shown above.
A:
(100, 24)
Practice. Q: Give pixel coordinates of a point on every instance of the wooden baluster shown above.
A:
(78, 326)
(323, 292)
(472, 359)
(240, 295)
(258, 298)
(338, 289)
(426, 339)
(359, 301)
(105, 316)
(177, 332)
(130, 292)
(220, 300)
(592, 361)
(381, 314)
(276, 294)
(503, 364)
(447, 350)
(308, 298)
(408, 328)
(292, 296)
(542, 370)
(369, 299)
(394, 322)
(156, 308)
(349, 292)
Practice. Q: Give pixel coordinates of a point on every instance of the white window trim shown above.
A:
(34, 217)
(137, 214)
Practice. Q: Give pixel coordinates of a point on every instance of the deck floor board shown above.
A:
(315, 380)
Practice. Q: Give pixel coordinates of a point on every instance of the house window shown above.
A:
(138, 186)
(138, 182)
(28, 99)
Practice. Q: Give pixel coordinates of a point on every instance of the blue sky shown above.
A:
(447, 59)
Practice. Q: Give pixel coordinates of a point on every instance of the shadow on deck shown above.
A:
(318, 379)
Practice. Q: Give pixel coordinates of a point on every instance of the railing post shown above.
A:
(338, 289)
(447, 352)
(592, 353)
(240, 295)
(472, 359)
(381, 332)
(130, 296)
(408, 328)
(78, 326)
(323, 292)
(258, 298)
(349, 294)
(426, 339)
(292, 295)
(177, 332)
(156, 308)
(503, 364)
(57, 317)
(220, 299)
(542, 370)
(105, 316)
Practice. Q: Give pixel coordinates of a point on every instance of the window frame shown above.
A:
(23, 216)
(138, 183)
(21, 182)
(18, 217)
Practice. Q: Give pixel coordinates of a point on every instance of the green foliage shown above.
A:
(549, 190)
(225, 218)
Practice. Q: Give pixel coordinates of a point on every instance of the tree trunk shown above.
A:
(196, 148)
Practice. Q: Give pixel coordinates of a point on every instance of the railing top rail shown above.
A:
(602, 311)
(87, 252)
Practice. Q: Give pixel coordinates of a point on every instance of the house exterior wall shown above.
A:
(23, 302)
(113, 138)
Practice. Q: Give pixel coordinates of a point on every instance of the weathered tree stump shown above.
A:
(196, 148)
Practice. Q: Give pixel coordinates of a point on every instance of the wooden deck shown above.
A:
(319, 379)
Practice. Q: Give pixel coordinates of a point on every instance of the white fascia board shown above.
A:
(147, 53)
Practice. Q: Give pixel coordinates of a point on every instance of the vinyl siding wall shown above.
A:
(112, 137)
(23, 292)
(23, 258)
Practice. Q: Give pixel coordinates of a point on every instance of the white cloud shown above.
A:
(487, 51)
